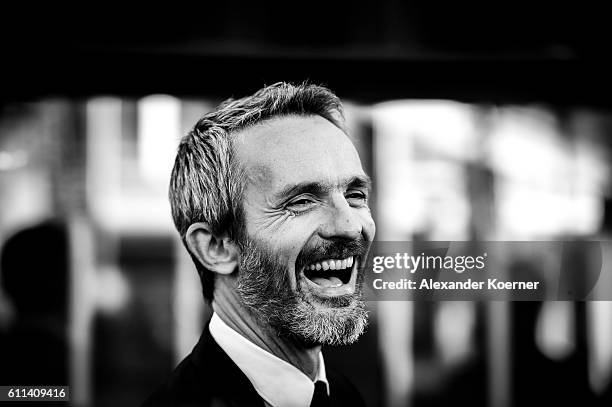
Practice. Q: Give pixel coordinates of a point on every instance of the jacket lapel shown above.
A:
(222, 378)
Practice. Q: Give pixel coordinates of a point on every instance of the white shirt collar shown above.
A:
(278, 382)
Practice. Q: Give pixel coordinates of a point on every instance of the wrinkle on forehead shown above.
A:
(293, 148)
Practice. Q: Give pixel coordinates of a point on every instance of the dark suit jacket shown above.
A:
(208, 377)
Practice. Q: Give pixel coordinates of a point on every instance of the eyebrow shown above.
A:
(320, 188)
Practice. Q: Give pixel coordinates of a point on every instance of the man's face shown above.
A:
(307, 228)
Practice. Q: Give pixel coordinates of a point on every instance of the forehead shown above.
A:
(294, 149)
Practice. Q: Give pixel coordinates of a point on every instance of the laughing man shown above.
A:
(271, 201)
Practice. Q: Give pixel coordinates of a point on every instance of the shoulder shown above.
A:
(207, 377)
(342, 391)
(182, 388)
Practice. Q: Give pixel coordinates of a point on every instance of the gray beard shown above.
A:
(264, 287)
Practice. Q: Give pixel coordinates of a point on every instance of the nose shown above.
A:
(342, 222)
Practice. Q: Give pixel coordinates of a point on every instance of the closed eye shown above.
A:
(301, 204)
(357, 198)
(356, 195)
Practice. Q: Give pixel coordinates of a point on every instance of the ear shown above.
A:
(217, 253)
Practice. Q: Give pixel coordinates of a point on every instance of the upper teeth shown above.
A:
(332, 264)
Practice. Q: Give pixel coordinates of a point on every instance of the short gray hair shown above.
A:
(206, 183)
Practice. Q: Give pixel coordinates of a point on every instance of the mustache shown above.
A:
(332, 249)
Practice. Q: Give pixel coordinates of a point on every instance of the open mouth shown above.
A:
(332, 277)
(330, 273)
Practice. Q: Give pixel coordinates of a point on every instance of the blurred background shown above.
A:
(476, 122)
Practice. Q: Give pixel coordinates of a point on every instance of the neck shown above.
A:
(240, 319)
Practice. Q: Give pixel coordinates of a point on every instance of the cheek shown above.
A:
(372, 224)
(286, 246)
(293, 232)
(369, 226)
(287, 250)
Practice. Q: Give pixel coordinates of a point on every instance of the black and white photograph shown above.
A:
(368, 204)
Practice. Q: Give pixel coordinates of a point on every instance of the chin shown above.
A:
(325, 323)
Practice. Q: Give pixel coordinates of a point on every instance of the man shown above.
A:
(271, 201)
